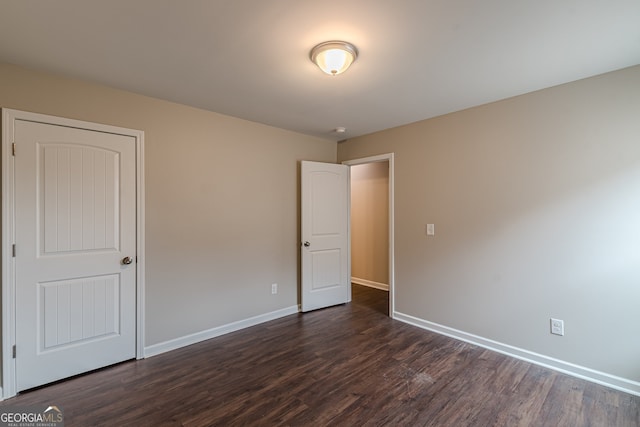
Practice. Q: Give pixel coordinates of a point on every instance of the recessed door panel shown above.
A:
(78, 193)
(325, 266)
(326, 219)
(73, 311)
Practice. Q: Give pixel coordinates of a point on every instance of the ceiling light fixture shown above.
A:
(334, 57)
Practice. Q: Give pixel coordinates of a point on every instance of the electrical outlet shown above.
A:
(557, 326)
(274, 288)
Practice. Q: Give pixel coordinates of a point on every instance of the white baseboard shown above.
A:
(197, 337)
(370, 283)
(602, 378)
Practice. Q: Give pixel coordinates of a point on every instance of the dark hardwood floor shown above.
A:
(374, 299)
(349, 365)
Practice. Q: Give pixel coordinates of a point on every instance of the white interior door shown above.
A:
(325, 235)
(75, 210)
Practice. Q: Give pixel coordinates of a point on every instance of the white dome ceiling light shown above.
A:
(333, 57)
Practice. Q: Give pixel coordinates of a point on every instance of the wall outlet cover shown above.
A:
(557, 327)
(430, 229)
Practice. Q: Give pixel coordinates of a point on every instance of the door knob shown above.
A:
(127, 260)
(306, 244)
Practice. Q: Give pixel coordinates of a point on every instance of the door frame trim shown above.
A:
(9, 387)
(388, 157)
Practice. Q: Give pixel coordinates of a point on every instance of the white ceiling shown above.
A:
(249, 58)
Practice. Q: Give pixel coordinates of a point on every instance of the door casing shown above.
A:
(8, 234)
(389, 157)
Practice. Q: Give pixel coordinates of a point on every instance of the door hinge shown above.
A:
(13, 250)
(14, 351)
(13, 148)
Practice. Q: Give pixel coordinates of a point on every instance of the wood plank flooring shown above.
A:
(372, 298)
(348, 365)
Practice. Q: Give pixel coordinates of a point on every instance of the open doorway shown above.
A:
(371, 196)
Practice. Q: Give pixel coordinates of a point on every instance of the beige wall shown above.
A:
(536, 202)
(370, 222)
(221, 200)
(536, 206)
